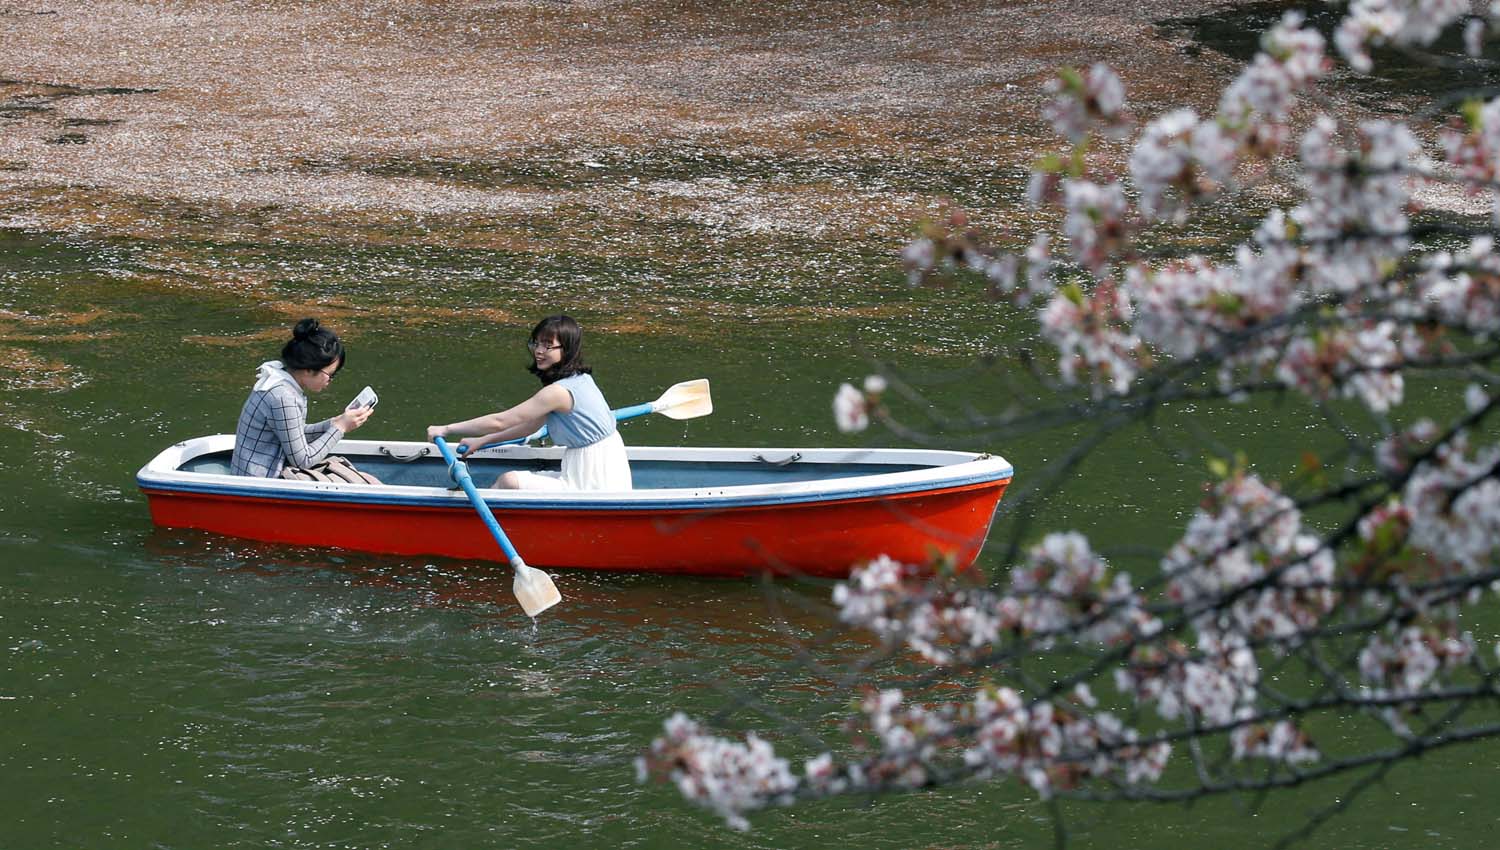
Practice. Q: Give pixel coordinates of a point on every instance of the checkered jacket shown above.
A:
(272, 433)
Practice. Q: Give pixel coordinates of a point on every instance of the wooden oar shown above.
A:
(687, 400)
(533, 588)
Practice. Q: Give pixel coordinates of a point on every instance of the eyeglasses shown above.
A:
(328, 375)
(537, 345)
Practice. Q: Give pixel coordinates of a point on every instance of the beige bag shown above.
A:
(334, 470)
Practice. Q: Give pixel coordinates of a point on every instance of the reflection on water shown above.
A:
(598, 604)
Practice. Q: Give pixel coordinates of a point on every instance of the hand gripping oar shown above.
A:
(687, 400)
(533, 588)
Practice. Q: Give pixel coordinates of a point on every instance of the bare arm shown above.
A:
(512, 422)
(502, 436)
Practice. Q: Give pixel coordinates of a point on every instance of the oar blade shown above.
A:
(533, 589)
(687, 400)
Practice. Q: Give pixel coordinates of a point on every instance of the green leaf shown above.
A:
(1473, 112)
(1072, 78)
(1078, 166)
(1227, 303)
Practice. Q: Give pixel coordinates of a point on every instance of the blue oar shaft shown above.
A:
(460, 473)
(632, 411)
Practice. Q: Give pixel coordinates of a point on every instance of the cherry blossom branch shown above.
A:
(1257, 618)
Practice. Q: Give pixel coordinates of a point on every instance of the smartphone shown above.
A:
(366, 398)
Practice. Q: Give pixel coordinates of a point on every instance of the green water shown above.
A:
(177, 690)
(171, 689)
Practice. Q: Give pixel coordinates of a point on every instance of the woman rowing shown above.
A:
(569, 404)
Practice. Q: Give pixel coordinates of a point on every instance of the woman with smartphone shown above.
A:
(273, 431)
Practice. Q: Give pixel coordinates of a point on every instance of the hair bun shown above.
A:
(305, 328)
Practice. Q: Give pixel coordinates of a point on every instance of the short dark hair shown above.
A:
(312, 346)
(570, 336)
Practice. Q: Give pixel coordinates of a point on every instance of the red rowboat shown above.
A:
(698, 511)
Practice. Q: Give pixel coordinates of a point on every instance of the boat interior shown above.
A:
(431, 471)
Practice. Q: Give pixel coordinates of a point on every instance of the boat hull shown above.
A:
(799, 528)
